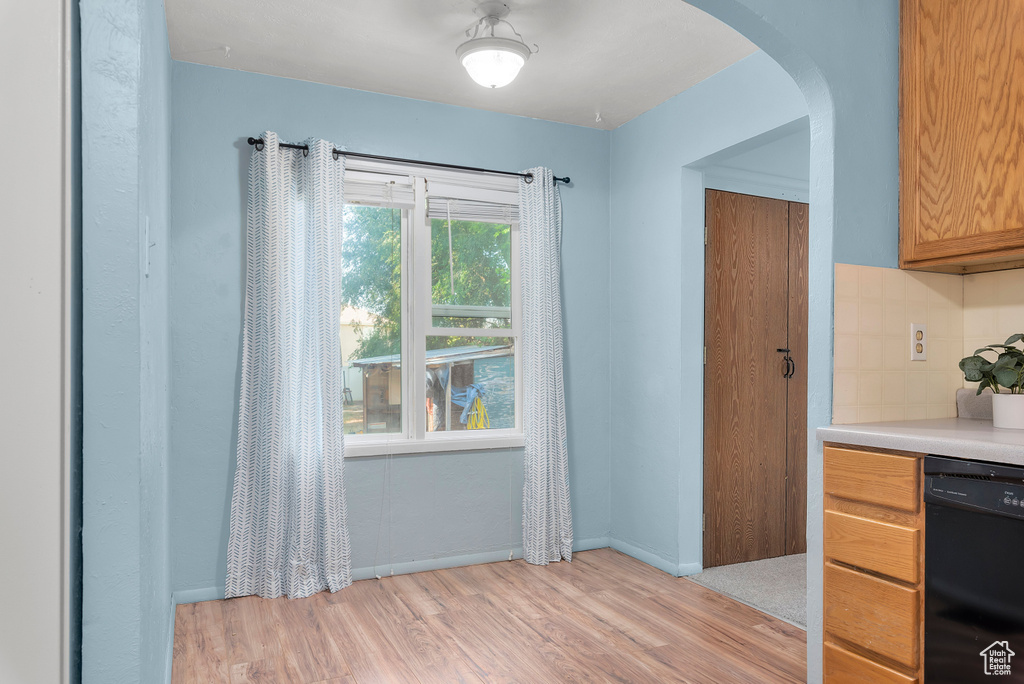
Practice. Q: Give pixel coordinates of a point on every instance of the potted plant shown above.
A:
(1006, 371)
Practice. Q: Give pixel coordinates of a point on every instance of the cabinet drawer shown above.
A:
(881, 547)
(881, 479)
(879, 616)
(843, 667)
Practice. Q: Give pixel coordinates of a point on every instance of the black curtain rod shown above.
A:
(258, 142)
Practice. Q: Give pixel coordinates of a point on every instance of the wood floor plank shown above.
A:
(505, 591)
(202, 643)
(592, 654)
(498, 646)
(633, 635)
(308, 651)
(616, 573)
(257, 672)
(249, 630)
(370, 656)
(605, 617)
(411, 593)
(736, 645)
(182, 656)
(408, 635)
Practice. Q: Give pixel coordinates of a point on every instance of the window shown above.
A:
(430, 317)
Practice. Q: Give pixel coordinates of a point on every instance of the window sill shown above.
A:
(446, 444)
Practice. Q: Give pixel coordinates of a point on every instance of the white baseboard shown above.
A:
(403, 568)
(689, 569)
(427, 564)
(591, 544)
(197, 595)
(646, 557)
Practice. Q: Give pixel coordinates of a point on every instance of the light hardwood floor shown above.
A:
(603, 617)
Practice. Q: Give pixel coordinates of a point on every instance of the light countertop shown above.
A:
(967, 438)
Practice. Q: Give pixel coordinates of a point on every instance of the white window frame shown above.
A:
(417, 312)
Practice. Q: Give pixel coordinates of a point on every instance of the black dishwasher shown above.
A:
(974, 572)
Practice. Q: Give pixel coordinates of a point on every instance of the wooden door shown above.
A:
(961, 134)
(754, 492)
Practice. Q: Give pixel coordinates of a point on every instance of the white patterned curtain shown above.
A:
(547, 516)
(289, 531)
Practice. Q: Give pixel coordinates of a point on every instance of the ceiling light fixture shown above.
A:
(493, 61)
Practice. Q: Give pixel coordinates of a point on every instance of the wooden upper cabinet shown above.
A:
(961, 135)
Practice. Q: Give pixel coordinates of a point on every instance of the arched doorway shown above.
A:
(762, 28)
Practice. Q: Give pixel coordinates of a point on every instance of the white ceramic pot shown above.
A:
(1008, 411)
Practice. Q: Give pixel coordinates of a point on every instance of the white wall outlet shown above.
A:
(918, 342)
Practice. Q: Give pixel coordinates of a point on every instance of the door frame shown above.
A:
(38, 292)
(761, 185)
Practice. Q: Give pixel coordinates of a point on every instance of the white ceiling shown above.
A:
(616, 58)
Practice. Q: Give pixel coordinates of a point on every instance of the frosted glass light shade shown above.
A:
(493, 62)
(493, 68)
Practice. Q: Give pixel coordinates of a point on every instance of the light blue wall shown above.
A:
(775, 164)
(154, 338)
(788, 156)
(657, 281)
(844, 57)
(441, 508)
(126, 591)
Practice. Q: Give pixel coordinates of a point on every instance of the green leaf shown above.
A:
(972, 363)
(1006, 377)
(1014, 338)
(1004, 361)
(984, 383)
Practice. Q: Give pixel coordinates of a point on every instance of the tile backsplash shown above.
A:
(993, 309)
(874, 378)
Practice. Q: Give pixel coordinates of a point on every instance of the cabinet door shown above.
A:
(961, 133)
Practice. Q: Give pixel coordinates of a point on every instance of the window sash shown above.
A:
(478, 197)
(405, 320)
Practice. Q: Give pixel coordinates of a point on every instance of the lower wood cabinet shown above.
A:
(874, 566)
(843, 666)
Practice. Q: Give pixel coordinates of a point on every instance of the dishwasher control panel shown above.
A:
(975, 486)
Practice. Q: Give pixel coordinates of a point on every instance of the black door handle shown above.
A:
(789, 363)
(792, 366)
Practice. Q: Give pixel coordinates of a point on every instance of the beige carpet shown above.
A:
(777, 586)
